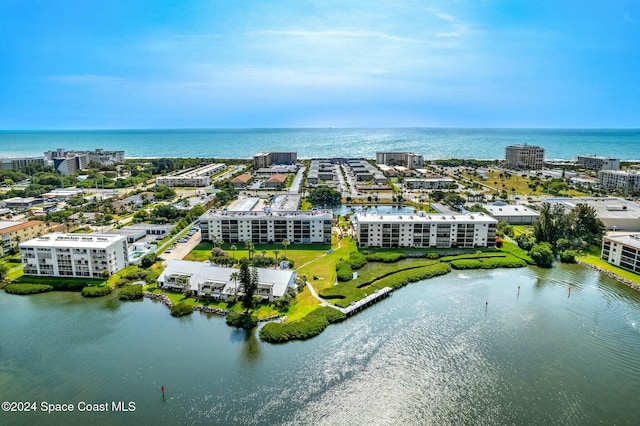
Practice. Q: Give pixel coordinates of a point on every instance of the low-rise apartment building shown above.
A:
(262, 227)
(425, 230)
(622, 251)
(204, 279)
(428, 183)
(199, 177)
(12, 233)
(74, 255)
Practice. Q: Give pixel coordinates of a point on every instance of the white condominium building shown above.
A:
(425, 230)
(74, 255)
(622, 251)
(263, 227)
(407, 159)
(594, 162)
(625, 181)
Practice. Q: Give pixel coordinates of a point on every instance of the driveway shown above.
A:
(181, 249)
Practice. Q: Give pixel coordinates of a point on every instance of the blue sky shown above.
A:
(228, 64)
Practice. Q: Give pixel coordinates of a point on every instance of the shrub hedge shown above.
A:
(568, 256)
(344, 271)
(96, 291)
(180, 309)
(389, 257)
(130, 292)
(357, 260)
(24, 289)
(241, 320)
(466, 264)
(488, 263)
(309, 326)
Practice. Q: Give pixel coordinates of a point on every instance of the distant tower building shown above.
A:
(524, 157)
(70, 162)
(406, 159)
(594, 162)
(267, 159)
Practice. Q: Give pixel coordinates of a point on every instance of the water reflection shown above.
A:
(433, 353)
(249, 341)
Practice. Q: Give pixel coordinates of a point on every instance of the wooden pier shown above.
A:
(361, 304)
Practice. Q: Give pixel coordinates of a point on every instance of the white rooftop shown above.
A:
(422, 217)
(497, 210)
(58, 239)
(632, 240)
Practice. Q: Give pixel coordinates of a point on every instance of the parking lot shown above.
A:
(180, 249)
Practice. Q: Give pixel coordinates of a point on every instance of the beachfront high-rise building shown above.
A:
(70, 162)
(267, 159)
(406, 159)
(524, 157)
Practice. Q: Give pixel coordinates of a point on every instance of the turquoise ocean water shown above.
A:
(433, 143)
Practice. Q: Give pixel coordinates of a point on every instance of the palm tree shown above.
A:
(217, 241)
(235, 276)
(285, 243)
(264, 253)
(251, 248)
(276, 252)
(233, 248)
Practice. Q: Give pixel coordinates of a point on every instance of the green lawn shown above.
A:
(516, 251)
(59, 283)
(521, 185)
(594, 259)
(298, 253)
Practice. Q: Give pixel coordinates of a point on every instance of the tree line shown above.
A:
(560, 233)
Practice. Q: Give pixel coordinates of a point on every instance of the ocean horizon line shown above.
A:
(186, 129)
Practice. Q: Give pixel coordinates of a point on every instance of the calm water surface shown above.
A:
(433, 143)
(433, 353)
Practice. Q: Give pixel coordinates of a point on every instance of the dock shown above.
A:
(361, 304)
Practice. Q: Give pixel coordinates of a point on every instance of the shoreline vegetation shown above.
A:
(355, 275)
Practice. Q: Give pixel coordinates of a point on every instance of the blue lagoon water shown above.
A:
(432, 353)
(433, 143)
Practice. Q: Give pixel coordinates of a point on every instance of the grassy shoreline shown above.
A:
(307, 317)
